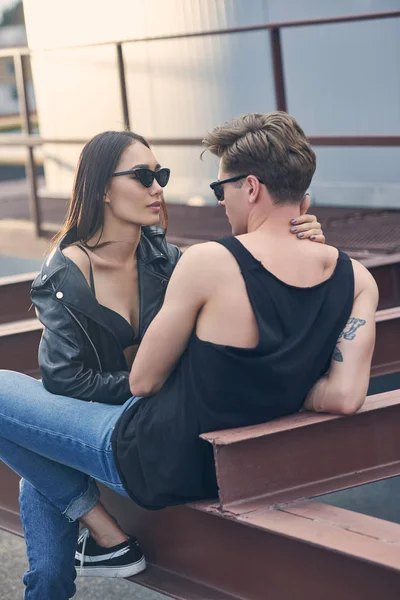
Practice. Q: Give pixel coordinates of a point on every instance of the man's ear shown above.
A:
(254, 188)
(305, 204)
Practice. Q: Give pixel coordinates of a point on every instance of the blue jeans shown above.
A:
(59, 446)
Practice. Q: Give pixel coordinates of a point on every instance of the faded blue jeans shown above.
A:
(59, 446)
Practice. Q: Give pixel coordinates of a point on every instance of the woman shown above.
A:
(96, 295)
(112, 237)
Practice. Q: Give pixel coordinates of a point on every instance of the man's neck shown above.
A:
(275, 222)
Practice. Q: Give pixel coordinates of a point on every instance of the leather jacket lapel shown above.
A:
(72, 289)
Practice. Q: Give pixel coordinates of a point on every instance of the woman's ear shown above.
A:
(305, 203)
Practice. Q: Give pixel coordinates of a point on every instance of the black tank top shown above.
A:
(156, 444)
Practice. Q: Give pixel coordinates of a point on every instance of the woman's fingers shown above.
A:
(309, 226)
(314, 235)
(318, 238)
(304, 219)
(306, 227)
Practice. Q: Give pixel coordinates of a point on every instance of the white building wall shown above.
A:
(340, 79)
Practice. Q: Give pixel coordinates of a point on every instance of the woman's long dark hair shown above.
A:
(96, 166)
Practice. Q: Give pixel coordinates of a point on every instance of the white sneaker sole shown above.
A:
(103, 571)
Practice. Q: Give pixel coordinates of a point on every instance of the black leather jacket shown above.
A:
(79, 355)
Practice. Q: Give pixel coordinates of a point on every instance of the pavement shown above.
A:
(13, 564)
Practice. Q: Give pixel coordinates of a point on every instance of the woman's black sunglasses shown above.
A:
(217, 186)
(147, 176)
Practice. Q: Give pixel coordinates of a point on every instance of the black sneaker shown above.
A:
(123, 560)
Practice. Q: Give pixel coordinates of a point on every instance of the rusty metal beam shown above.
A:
(30, 165)
(19, 342)
(386, 272)
(354, 140)
(316, 140)
(311, 454)
(392, 14)
(122, 86)
(302, 550)
(278, 69)
(14, 297)
(386, 358)
(290, 555)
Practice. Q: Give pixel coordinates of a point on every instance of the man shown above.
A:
(251, 328)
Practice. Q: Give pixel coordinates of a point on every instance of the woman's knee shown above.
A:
(12, 382)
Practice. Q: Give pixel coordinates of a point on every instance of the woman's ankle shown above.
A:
(103, 528)
(109, 540)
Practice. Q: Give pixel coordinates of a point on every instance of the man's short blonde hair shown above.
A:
(271, 146)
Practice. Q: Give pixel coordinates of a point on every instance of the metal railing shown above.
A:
(30, 142)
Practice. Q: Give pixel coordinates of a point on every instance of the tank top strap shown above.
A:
(91, 268)
(243, 257)
(343, 256)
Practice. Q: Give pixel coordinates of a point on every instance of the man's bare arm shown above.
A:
(343, 389)
(169, 333)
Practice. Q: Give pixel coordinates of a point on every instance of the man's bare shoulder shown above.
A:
(364, 282)
(208, 261)
(206, 252)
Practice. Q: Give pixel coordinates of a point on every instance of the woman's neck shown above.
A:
(121, 241)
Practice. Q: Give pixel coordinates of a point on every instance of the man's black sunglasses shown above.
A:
(147, 176)
(217, 186)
